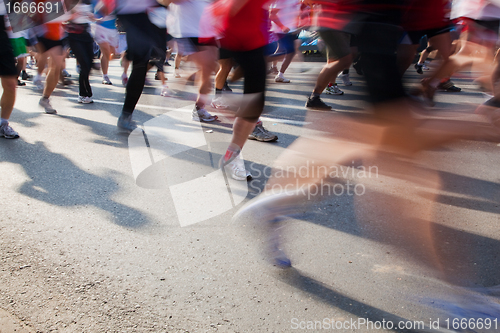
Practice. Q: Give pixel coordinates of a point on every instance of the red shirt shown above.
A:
(426, 14)
(248, 29)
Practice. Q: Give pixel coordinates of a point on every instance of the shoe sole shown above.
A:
(338, 94)
(204, 120)
(249, 177)
(315, 108)
(9, 137)
(49, 111)
(262, 140)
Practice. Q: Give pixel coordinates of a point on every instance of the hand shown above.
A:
(285, 29)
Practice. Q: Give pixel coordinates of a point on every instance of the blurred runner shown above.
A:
(8, 78)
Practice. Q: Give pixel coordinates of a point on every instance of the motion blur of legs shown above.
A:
(391, 138)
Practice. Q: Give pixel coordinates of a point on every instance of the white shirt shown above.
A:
(82, 14)
(158, 16)
(183, 19)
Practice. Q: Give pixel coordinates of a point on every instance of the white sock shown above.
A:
(3, 121)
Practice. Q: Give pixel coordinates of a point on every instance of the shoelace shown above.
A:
(7, 129)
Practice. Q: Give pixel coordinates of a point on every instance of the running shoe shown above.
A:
(280, 78)
(85, 100)
(25, 76)
(334, 90)
(38, 83)
(126, 123)
(66, 82)
(7, 132)
(219, 103)
(425, 68)
(345, 79)
(272, 210)
(165, 91)
(106, 80)
(20, 83)
(65, 73)
(45, 103)
(275, 254)
(418, 68)
(226, 88)
(317, 104)
(236, 169)
(448, 86)
(176, 74)
(273, 70)
(357, 68)
(202, 115)
(261, 134)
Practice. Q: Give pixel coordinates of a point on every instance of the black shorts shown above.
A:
(48, 44)
(7, 62)
(190, 45)
(224, 54)
(415, 36)
(254, 65)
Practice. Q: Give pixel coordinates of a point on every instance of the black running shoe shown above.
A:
(317, 104)
(449, 87)
(226, 88)
(418, 68)
(25, 76)
(358, 69)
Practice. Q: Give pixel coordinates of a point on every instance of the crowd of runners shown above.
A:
(379, 39)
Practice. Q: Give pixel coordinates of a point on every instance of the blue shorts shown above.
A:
(286, 43)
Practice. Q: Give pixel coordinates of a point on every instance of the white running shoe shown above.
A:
(165, 92)
(219, 103)
(345, 79)
(7, 132)
(280, 78)
(85, 100)
(45, 103)
(203, 115)
(334, 90)
(106, 80)
(38, 83)
(236, 169)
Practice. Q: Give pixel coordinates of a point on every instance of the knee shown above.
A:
(9, 84)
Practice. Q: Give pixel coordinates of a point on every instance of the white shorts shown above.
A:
(105, 35)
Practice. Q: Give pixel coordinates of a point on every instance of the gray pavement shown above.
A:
(89, 243)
